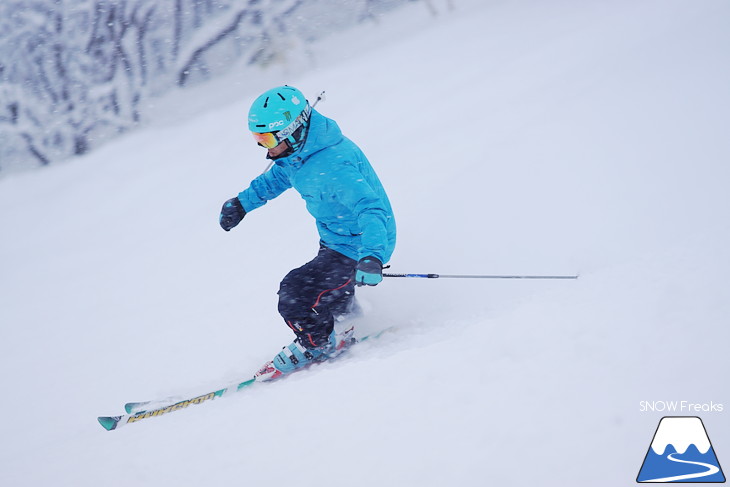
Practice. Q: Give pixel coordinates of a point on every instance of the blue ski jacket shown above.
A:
(340, 188)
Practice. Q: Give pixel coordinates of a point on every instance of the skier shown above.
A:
(352, 212)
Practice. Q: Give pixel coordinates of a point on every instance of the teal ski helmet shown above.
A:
(279, 114)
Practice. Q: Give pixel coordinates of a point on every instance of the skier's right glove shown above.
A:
(231, 214)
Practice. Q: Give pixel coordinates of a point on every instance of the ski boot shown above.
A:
(295, 356)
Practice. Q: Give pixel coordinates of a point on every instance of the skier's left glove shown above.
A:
(231, 214)
(369, 272)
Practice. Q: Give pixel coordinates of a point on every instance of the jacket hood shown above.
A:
(323, 132)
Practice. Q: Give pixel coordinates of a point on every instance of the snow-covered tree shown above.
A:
(73, 73)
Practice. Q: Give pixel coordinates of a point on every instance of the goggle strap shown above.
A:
(298, 122)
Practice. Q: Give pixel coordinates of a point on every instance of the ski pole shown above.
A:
(472, 276)
(319, 97)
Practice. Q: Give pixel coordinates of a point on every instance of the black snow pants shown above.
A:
(311, 296)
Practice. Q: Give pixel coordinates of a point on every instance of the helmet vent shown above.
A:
(266, 102)
(281, 96)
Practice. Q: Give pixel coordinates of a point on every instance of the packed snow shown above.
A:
(513, 138)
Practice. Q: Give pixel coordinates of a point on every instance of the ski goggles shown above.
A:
(267, 139)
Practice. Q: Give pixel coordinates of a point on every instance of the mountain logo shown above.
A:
(681, 452)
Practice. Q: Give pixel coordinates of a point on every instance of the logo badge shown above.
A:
(680, 452)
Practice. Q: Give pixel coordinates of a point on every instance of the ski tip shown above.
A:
(132, 407)
(108, 422)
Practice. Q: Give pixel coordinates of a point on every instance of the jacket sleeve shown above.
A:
(266, 187)
(355, 193)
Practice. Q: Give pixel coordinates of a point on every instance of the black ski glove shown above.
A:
(369, 272)
(231, 214)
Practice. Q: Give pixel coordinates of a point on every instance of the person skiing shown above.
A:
(353, 215)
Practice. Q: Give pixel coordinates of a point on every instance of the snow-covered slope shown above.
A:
(513, 137)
